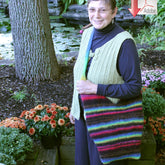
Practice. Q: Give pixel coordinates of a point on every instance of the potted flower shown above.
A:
(13, 122)
(154, 79)
(47, 121)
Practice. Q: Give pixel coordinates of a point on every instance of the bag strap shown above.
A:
(83, 77)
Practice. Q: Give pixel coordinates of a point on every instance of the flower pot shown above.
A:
(49, 142)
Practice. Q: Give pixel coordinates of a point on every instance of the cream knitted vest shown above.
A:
(103, 66)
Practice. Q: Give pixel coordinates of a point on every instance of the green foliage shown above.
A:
(15, 144)
(159, 19)
(66, 3)
(120, 3)
(19, 96)
(5, 25)
(153, 103)
(6, 159)
(154, 35)
(81, 2)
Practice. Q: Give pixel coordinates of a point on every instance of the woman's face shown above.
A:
(100, 13)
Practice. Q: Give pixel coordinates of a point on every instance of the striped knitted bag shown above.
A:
(116, 129)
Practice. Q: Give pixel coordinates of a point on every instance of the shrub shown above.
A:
(153, 103)
(14, 143)
(6, 159)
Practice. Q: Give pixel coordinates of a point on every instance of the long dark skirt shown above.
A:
(86, 152)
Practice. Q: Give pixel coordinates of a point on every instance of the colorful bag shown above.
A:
(116, 129)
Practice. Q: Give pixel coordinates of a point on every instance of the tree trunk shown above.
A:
(35, 58)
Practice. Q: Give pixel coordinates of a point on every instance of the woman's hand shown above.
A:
(86, 87)
(72, 119)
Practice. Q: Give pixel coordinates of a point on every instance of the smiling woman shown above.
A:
(106, 77)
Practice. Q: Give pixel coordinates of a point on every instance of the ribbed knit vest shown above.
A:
(103, 66)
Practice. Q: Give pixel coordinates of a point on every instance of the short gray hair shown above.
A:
(112, 3)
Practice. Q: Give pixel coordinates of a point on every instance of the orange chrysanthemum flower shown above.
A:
(67, 115)
(40, 107)
(53, 125)
(43, 119)
(54, 113)
(23, 114)
(12, 125)
(53, 105)
(46, 118)
(65, 108)
(52, 117)
(52, 109)
(32, 110)
(60, 108)
(31, 115)
(57, 106)
(61, 122)
(27, 117)
(52, 122)
(37, 118)
(48, 110)
(27, 113)
(46, 106)
(22, 126)
(31, 131)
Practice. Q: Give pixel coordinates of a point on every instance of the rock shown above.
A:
(78, 8)
(55, 7)
(55, 11)
(77, 13)
(123, 16)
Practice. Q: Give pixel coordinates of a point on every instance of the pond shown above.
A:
(65, 38)
(65, 35)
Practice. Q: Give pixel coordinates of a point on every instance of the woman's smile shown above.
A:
(100, 15)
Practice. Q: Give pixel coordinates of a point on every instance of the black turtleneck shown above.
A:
(127, 64)
(104, 35)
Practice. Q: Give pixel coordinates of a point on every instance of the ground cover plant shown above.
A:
(14, 145)
(6, 159)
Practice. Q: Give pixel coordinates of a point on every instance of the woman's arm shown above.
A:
(129, 68)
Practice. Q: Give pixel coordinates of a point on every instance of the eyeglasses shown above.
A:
(100, 11)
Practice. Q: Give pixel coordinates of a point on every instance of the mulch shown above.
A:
(59, 92)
